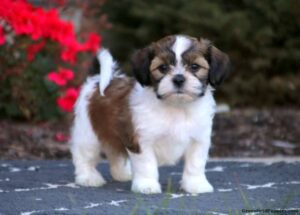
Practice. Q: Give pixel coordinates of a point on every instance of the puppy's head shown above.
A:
(179, 68)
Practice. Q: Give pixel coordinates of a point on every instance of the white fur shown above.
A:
(107, 69)
(166, 133)
(193, 178)
(120, 168)
(180, 46)
(85, 145)
(145, 172)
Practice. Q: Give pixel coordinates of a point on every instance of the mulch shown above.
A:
(237, 133)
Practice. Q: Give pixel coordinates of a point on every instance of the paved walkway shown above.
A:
(46, 187)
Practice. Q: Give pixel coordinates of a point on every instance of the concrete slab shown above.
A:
(47, 187)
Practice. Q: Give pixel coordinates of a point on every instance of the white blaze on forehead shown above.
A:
(180, 46)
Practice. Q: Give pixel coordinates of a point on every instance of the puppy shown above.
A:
(162, 115)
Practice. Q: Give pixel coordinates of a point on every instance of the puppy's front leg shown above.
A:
(145, 171)
(194, 179)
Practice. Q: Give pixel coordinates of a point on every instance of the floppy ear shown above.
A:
(219, 66)
(141, 60)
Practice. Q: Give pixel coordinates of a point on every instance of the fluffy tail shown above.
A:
(107, 69)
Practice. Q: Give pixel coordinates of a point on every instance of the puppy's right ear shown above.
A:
(141, 60)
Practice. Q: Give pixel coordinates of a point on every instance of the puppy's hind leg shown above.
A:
(85, 149)
(120, 168)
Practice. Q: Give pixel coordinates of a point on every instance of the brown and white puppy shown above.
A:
(163, 116)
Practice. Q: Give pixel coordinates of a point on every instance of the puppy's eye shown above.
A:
(195, 67)
(163, 68)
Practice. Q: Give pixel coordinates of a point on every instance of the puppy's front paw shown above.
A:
(196, 184)
(146, 186)
(90, 179)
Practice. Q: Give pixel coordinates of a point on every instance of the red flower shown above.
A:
(61, 137)
(37, 23)
(69, 53)
(61, 77)
(33, 49)
(67, 101)
(2, 37)
(93, 43)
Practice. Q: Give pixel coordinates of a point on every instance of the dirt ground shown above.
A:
(237, 133)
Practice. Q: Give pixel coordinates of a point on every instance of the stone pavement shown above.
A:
(47, 187)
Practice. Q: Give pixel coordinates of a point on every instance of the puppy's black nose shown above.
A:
(178, 80)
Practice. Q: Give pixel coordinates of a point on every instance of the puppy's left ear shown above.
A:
(140, 61)
(219, 66)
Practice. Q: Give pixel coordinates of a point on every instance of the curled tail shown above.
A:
(108, 67)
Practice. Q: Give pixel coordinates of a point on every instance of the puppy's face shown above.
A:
(179, 68)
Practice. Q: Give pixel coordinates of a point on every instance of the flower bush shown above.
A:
(27, 31)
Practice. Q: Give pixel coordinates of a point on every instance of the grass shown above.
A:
(163, 206)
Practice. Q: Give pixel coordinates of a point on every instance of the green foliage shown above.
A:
(262, 39)
(25, 92)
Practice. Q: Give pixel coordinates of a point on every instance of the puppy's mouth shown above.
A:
(180, 94)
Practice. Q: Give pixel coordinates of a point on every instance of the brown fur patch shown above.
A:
(201, 74)
(164, 44)
(204, 67)
(202, 62)
(156, 62)
(163, 55)
(196, 55)
(162, 50)
(111, 118)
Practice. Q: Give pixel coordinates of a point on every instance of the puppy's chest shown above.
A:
(169, 133)
(171, 124)
(168, 149)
